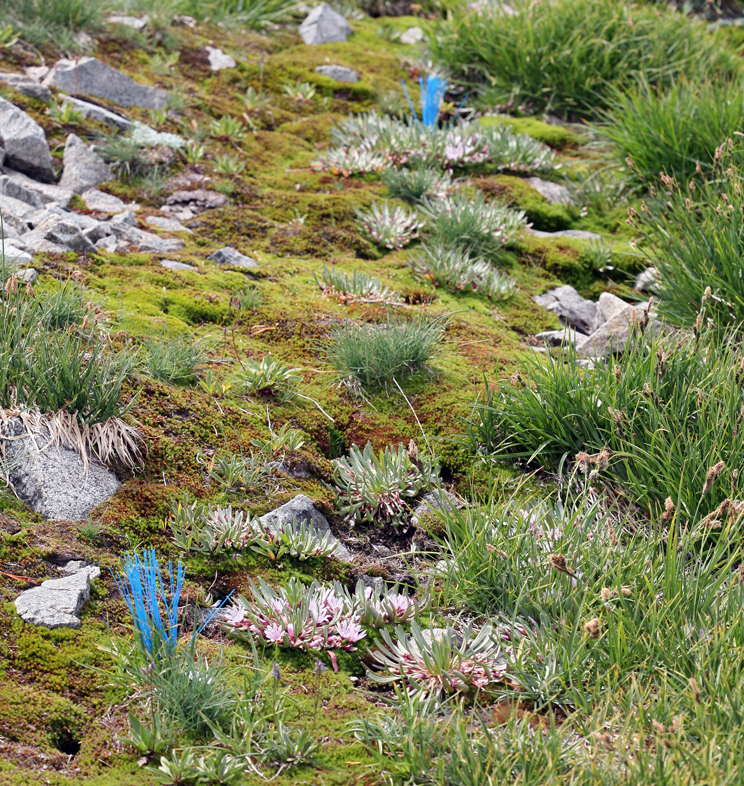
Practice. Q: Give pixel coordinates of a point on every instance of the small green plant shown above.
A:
(378, 356)
(251, 298)
(65, 114)
(600, 190)
(255, 101)
(125, 156)
(290, 747)
(192, 153)
(454, 269)
(412, 185)
(390, 227)
(302, 92)
(91, 530)
(286, 438)
(376, 487)
(158, 117)
(228, 165)
(175, 358)
(471, 224)
(210, 384)
(178, 100)
(355, 287)
(236, 471)
(227, 128)
(388, 32)
(163, 63)
(149, 740)
(8, 37)
(269, 377)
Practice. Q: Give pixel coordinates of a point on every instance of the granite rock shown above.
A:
(24, 143)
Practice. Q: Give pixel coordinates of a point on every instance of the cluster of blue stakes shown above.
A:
(432, 93)
(153, 608)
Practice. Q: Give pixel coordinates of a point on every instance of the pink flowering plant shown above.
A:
(211, 530)
(440, 663)
(458, 146)
(391, 227)
(315, 617)
(377, 487)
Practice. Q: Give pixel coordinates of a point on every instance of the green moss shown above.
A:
(565, 258)
(516, 192)
(555, 136)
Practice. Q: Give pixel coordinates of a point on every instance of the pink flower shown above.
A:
(274, 633)
(349, 630)
(235, 615)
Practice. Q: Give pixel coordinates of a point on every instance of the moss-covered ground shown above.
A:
(61, 721)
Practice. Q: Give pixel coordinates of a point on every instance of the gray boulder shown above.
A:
(98, 113)
(102, 202)
(572, 309)
(84, 169)
(612, 336)
(431, 501)
(15, 255)
(27, 86)
(48, 192)
(57, 602)
(125, 217)
(88, 76)
(12, 188)
(339, 73)
(298, 510)
(173, 265)
(323, 25)
(186, 204)
(58, 234)
(12, 208)
(24, 143)
(232, 258)
(218, 60)
(144, 241)
(52, 479)
(645, 280)
(555, 193)
(167, 224)
(556, 338)
(608, 306)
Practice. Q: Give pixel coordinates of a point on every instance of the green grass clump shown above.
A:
(59, 21)
(695, 239)
(175, 358)
(567, 57)
(669, 411)
(376, 356)
(673, 132)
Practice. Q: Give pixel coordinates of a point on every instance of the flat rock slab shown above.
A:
(135, 22)
(102, 202)
(144, 241)
(167, 224)
(83, 168)
(57, 602)
(173, 265)
(218, 60)
(88, 76)
(48, 192)
(61, 233)
(576, 234)
(24, 143)
(612, 336)
(557, 338)
(52, 479)
(298, 510)
(431, 501)
(339, 73)
(24, 84)
(555, 193)
(12, 188)
(232, 258)
(645, 280)
(197, 201)
(323, 25)
(412, 36)
(572, 309)
(98, 113)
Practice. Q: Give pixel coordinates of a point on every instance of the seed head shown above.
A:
(592, 628)
(695, 689)
(713, 473)
(606, 594)
(558, 562)
(668, 510)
